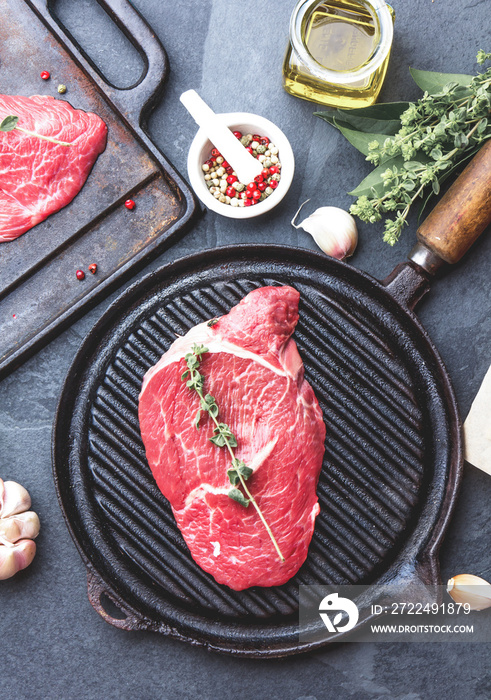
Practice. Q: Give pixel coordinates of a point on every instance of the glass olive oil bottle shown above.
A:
(338, 51)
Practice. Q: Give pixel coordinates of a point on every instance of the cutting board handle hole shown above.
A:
(112, 52)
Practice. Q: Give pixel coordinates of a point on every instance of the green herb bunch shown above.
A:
(415, 146)
(222, 436)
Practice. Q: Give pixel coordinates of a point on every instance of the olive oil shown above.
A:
(333, 45)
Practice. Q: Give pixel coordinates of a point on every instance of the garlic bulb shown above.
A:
(16, 558)
(13, 498)
(18, 527)
(473, 590)
(333, 229)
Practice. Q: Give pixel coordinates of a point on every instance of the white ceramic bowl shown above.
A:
(200, 151)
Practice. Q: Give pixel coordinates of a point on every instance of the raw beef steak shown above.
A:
(256, 375)
(37, 177)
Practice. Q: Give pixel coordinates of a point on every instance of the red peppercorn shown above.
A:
(247, 202)
(229, 170)
(215, 152)
(230, 191)
(251, 187)
(274, 169)
(273, 184)
(264, 141)
(249, 149)
(129, 204)
(261, 186)
(93, 268)
(256, 195)
(265, 173)
(45, 75)
(225, 164)
(256, 137)
(259, 178)
(237, 134)
(80, 274)
(231, 179)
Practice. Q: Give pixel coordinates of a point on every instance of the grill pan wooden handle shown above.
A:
(463, 212)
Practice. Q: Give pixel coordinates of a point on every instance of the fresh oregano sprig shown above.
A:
(222, 437)
(10, 123)
(416, 146)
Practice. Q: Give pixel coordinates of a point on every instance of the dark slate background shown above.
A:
(52, 644)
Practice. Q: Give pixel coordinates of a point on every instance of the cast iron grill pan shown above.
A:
(393, 453)
(387, 447)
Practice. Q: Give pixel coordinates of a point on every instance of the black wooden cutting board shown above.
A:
(39, 291)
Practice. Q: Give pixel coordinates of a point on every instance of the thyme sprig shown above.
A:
(416, 146)
(10, 123)
(222, 437)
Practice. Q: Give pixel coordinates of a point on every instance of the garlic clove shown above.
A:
(473, 590)
(16, 558)
(333, 229)
(14, 498)
(17, 527)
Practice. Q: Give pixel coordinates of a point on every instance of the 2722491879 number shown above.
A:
(401, 608)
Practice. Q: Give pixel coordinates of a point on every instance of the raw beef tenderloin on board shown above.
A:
(37, 177)
(256, 375)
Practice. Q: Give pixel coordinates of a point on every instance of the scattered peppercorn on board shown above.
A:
(131, 205)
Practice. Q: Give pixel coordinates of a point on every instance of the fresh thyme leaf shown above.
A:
(197, 419)
(198, 351)
(196, 381)
(223, 436)
(233, 476)
(237, 495)
(482, 57)
(192, 361)
(218, 440)
(209, 404)
(9, 123)
(245, 471)
(240, 469)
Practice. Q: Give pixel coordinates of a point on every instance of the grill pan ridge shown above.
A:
(390, 471)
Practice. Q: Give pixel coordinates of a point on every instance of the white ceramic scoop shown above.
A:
(244, 164)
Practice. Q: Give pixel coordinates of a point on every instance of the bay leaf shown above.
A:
(383, 118)
(374, 180)
(433, 82)
(360, 139)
